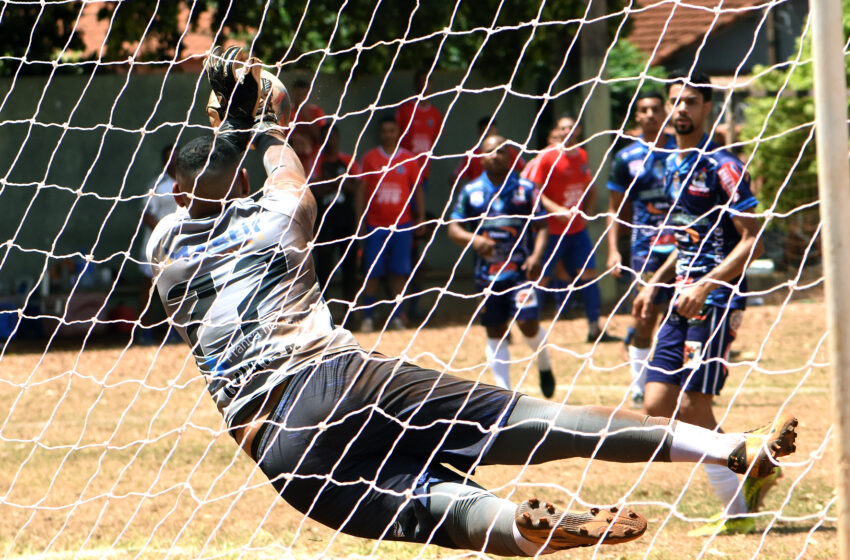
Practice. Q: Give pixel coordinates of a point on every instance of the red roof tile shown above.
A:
(663, 27)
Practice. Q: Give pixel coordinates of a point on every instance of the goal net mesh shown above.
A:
(110, 443)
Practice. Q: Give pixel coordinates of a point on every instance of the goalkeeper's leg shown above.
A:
(538, 431)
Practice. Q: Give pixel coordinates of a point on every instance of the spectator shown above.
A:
(471, 166)
(492, 215)
(307, 117)
(564, 180)
(636, 198)
(159, 204)
(304, 148)
(389, 186)
(419, 122)
(334, 184)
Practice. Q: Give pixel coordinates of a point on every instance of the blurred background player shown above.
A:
(306, 117)
(716, 238)
(471, 166)
(159, 204)
(334, 184)
(636, 199)
(562, 175)
(389, 186)
(498, 214)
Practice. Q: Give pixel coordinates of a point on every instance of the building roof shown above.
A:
(663, 27)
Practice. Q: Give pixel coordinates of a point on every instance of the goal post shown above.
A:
(830, 85)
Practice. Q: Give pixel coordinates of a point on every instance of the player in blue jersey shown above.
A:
(499, 215)
(716, 238)
(636, 189)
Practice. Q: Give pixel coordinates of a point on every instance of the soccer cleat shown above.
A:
(777, 438)
(396, 324)
(637, 401)
(547, 383)
(755, 489)
(367, 325)
(719, 524)
(543, 524)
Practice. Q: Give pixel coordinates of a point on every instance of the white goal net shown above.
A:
(110, 444)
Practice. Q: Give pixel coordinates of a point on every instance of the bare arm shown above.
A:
(692, 298)
(282, 165)
(615, 259)
(560, 212)
(533, 264)
(483, 245)
(665, 273)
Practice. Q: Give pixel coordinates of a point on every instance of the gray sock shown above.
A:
(538, 431)
(474, 518)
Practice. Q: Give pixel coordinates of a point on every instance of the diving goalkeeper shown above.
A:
(359, 441)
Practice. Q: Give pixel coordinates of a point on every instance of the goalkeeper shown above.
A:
(359, 441)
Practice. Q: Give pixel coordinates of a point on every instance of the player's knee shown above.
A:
(529, 328)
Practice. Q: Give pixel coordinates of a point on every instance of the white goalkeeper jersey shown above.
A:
(241, 290)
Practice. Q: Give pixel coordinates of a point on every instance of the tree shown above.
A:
(335, 36)
(33, 35)
(779, 129)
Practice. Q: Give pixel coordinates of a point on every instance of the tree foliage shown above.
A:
(624, 67)
(779, 126)
(32, 35)
(497, 39)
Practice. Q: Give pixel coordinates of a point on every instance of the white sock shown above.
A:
(530, 548)
(498, 357)
(691, 442)
(725, 484)
(536, 342)
(637, 361)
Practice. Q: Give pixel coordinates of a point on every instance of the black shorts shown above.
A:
(354, 440)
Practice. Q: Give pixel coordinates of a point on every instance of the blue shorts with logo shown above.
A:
(692, 353)
(388, 252)
(645, 265)
(509, 301)
(574, 250)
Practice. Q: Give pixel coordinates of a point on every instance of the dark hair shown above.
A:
(165, 152)
(485, 121)
(650, 94)
(568, 116)
(700, 81)
(301, 83)
(209, 153)
(386, 119)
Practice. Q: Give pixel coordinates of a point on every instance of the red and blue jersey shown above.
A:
(638, 173)
(389, 184)
(705, 190)
(504, 213)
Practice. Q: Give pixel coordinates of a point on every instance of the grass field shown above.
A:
(118, 452)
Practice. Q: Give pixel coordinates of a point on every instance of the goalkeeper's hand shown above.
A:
(242, 92)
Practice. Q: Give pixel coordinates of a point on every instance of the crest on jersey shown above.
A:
(519, 196)
(635, 167)
(697, 185)
(658, 169)
(476, 198)
(400, 169)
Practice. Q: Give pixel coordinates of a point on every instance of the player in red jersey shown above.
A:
(306, 117)
(419, 122)
(562, 174)
(391, 204)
